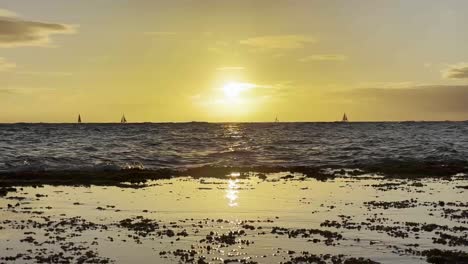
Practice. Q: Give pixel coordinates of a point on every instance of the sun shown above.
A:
(234, 90)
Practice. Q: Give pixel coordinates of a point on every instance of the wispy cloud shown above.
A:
(27, 90)
(161, 33)
(427, 64)
(6, 91)
(45, 73)
(386, 85)
(17, 32)
(6, 65)
(420, 102)
(456, 71)
(230, 68)
(278, 42)
(324, 57)
(7, 13)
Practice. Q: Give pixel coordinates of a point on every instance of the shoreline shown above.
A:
(395, 170)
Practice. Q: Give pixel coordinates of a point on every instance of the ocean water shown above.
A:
(26, 147)
(235, 219)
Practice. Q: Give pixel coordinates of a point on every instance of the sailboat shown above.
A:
(276, 119)
(79, 119)
(123, 120)
(345, 118)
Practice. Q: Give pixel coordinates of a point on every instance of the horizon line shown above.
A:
(246, 122)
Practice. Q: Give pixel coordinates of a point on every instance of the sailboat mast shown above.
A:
(345, 118)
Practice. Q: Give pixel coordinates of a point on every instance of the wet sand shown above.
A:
(241, 218)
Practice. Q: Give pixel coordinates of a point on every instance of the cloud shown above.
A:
(6, 91)
(11, 91)
(387, 85)
(45, 73)
(229, 68)
(417, 102)
(7, 13)
(278, 42)
(6, 65)
(456, 71)
(427, 65)
(161, 33)
(324, 57)
(16, 32)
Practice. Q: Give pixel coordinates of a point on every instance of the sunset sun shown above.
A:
(234, 90)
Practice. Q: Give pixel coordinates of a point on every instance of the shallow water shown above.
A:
(25, 147)
(222, 205)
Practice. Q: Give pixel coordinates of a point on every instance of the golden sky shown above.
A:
(243, 60)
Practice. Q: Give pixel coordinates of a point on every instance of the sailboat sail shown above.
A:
(123, 119)
(79, 118)
(345, 118)
(276, 120)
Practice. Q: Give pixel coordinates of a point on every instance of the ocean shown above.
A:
(75, 147)
(234, 193)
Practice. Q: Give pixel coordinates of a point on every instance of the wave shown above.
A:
(387, 148)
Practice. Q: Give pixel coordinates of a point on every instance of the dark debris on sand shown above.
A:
(57, 232)
(330, 237)
(438, 256)
(307, 257)
(60, 231)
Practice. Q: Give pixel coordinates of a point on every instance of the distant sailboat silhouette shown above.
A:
(123, 120)
(79, 118)
(276, 119)
(345, 118)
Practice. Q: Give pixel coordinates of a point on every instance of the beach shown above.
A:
(242, 218)
(234, 193)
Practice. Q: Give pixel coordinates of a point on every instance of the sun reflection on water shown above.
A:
(234, 174)
(232, 193)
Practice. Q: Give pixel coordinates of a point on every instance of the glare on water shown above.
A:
(232, 193)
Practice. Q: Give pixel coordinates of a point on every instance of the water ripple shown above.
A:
(107, 146)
